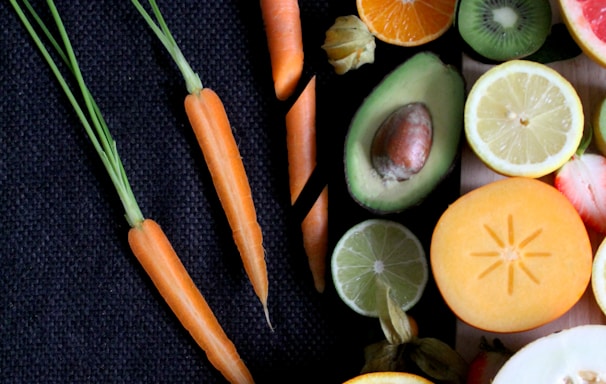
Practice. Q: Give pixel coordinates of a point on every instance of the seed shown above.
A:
(402, 143)
(591, 377)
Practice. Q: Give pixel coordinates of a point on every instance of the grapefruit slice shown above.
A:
(511, 255)
(586, 22)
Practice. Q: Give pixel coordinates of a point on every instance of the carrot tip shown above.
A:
(266, 311)
(319, 283)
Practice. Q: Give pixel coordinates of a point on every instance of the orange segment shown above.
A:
(407, 22)
(511, 256)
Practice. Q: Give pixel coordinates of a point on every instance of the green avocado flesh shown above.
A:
(422, 78)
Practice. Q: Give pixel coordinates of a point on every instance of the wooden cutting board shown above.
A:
(589, 80)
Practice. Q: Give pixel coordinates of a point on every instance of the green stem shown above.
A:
(94, 123)
(161, 30)
(585, 139)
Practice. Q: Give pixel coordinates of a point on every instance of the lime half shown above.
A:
(376, 251)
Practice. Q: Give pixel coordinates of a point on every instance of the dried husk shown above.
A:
(395, 323)
(383, 357)
(349, 44)
(402, 351)
(438, 360)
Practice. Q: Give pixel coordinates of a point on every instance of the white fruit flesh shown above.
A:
(575, 355)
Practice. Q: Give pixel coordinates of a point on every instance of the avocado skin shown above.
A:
(422, 78)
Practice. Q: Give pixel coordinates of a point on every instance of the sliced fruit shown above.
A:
(523, 118)
(423, 79)
(598, 276)
(599, 127)
(573, 355)
(586, 21)
(511, 255)
(582, 180)
(388, 378)
(407, 23)
(504, 29)
(376, 252)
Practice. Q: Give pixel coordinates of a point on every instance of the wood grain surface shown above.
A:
(589, 79)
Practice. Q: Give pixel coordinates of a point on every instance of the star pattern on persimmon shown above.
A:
(510, 254)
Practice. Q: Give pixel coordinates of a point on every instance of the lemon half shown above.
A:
(523, 118)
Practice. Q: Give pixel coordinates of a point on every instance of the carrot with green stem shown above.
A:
(146, 238)
(212, 129)
(301, 148)
(282, 21)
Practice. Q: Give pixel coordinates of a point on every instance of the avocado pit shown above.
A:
(402, 142)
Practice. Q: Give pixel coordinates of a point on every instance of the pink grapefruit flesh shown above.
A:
(586, 21)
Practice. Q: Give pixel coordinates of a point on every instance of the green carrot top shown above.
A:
(89, 113)
(160, 28)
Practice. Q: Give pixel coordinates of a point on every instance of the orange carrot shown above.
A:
(282, 22)
(212, 129)
(155, 253)
(146, 238)
(301, 148)
(211, 126)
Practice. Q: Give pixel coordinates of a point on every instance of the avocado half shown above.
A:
(422, 78)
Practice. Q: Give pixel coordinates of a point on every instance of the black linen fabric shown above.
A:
(75, 305)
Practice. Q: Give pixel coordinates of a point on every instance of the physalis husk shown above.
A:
(349, 44)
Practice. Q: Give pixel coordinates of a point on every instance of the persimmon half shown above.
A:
(511, 255)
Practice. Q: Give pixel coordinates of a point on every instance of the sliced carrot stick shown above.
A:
(315, 239)
(147, 240)
(157, 256)
(301, 148)
(211, 126)
(282, 21)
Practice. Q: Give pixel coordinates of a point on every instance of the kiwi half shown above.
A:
(502, 30)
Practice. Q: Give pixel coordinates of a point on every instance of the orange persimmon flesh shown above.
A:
(511, 255)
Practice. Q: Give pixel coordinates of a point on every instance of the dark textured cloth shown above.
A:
(75, 305)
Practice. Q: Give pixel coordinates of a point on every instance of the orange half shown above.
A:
(388, 378)
(407, 22)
